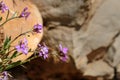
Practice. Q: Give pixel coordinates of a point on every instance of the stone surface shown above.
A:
(59, 11)
(61, 20)
(17, 26)
(92, 37)
(102, 31)
(98, 68)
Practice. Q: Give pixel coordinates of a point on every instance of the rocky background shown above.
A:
(91, 31)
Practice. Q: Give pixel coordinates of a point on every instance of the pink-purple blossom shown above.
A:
(37, 28)
(4, 76)
(22, 47)
(43, 51)
(3, 7)
(63, 53)
(25, 13)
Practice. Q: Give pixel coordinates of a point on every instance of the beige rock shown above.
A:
(59, 11)
(102, 30)
(90, 44)
(18, 26)
(98, 68)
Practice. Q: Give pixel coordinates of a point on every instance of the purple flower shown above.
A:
(63, 53)
(37, 28)
(24, 13)
(3, 7)
(22, 46)
(4, 76)
(43, 51)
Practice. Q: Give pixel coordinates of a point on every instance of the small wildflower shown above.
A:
(4, 76)
(22, 47)
(63, 53)
(43, 51)
(3, 7)
(24, 13)
(37, 28)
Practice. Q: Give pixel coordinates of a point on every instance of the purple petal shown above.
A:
(65, 50)
(3, 7)
(25, 9)
(64, 58)
(25, 41)
(60, 46)
(18, 48)
(43, 51)
(24, 13)
(22, 46)
(37, 28)
(27, 15)
(40, 53)
(5, 76)
(45, 56)
(25, 51)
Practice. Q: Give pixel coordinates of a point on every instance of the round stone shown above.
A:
(17, 26)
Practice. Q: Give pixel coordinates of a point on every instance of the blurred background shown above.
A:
(91, 31)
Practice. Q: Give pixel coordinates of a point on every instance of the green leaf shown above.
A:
(13, 65)
(7, 43)
(14, 55)
(1, 69)
(0, 18)
(7, 15)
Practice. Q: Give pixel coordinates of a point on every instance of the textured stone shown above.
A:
(59, 11)
(94, 35)
(94, 69)
(102, 31)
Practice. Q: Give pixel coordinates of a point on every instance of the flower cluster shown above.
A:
(4, 76)
(25, 13)
(63, 53)
(43, 51)
(3, 7)
(22, 46)
(37, 28)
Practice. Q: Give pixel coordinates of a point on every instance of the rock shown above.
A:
(98, 68)
(58, 18)
(17, 26)
(102, 31)
(59, 11)
(95, 39)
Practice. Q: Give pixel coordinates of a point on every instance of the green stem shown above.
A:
(8, 20)
(7, 15)
(19, 36)
(30, 59)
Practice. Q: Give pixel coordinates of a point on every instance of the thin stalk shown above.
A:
(7, 21)
(19, 36)
(7, 15)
